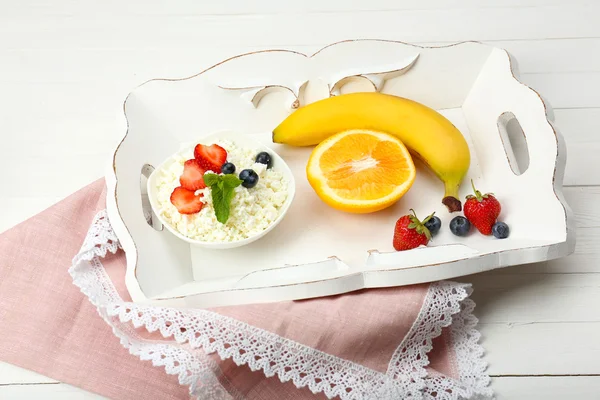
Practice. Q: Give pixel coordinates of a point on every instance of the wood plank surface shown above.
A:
(68, 65)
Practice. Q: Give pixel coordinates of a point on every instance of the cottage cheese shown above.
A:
(251, 211)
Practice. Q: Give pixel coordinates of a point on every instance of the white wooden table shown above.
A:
(67, 67)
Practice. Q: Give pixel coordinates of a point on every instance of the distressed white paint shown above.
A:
(53, 55)
(472, 84)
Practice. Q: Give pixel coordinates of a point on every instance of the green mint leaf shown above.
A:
(231, 181)
(220, 204)
(222, 187)
(211, 179)
(228, 196)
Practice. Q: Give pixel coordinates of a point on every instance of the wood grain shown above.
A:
(151, 31)
(585, 203)
(581, 130)
(546, 387)
(134, 66)
(536, 298)
(554, 55)
(51, 391)
(559, 89)
(11, 374)
(532, 348)
(241, 7)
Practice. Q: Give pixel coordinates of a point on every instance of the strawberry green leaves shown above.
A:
(419, 226)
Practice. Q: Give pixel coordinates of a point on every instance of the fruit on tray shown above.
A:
(460, 226)
(500, 230)
(360, 171)
(186, 201)
(482, 210)
(192, 177)
(426, 133)
(211, 158)
(410, 232)
(433, 224)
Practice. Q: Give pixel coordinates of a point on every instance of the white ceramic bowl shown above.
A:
(243, 141)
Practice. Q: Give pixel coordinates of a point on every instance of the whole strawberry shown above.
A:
(482, 210)
(410, 232)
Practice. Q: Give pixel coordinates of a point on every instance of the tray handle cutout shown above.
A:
(149, 216)
(514, 141)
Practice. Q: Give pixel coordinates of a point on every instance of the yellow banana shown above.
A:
(427, 134)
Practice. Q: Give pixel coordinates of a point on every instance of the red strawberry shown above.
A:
(210, 157)
(186, 201)
(482, 210)
(410, 233)
(193, 176)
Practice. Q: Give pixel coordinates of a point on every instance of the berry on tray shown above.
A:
(264, 158)
(186, 201)
(500, 230)
(460, 226)
(410, 232)
(482, 210)
(211, 158)
(228, 168)
(433, 224)
(249, 178)
(192, 177)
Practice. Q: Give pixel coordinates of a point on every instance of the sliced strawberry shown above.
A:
(210, 157)
(193, 176)
(186, 201)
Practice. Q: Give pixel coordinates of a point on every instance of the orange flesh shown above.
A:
(362, 167)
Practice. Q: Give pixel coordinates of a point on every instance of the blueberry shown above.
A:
(434, 224)
(264, 158)
(460, 226)
(500, 230)
(249, 178)
(228, 168)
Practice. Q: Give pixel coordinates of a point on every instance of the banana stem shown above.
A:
(451, 197)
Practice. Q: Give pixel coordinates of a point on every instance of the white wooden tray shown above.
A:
(516, 153)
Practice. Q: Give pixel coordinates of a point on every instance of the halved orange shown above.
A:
(360, 171)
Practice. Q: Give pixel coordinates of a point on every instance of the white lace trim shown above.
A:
(469, 354)
(473, 382)
(90, 276)
(274, 355)
(410, 358)
(260, 349)
(446, 304)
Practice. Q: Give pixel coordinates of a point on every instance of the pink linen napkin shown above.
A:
(49, 326)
